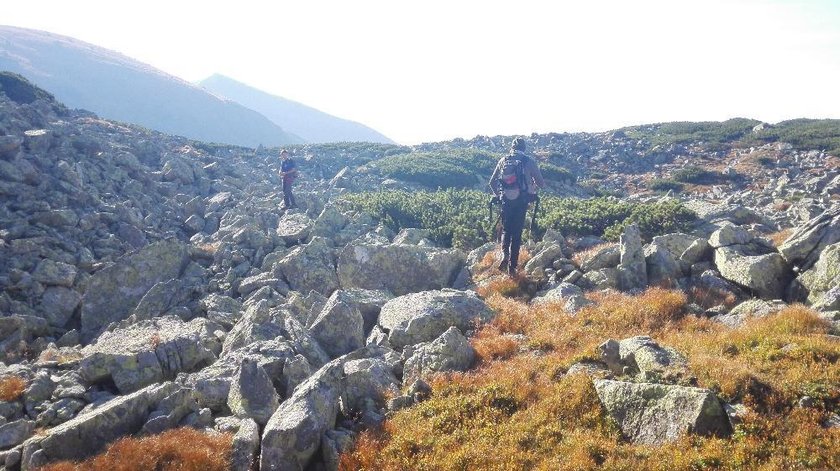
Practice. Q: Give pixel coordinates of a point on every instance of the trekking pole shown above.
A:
(494, 224)
(490, 209)
(534, 227)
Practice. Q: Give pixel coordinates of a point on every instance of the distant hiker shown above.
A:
(514, 182)
(288, 171)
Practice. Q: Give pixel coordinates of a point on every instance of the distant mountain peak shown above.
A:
(309, 123)
(114, 86)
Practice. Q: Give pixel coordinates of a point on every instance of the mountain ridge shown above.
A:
(309, 123)
(114, 86)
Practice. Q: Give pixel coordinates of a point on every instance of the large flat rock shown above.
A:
(113, 292)
(398, 268)
(90, 432)
(654, 414)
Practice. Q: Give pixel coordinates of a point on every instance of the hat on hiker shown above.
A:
(518, 144)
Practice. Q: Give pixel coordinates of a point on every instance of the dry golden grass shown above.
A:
(491, 344)
(519, 410)
(782, 206)
(208, 248)
(580, 257)
(492, 281)
(711, 297)
(12, 388)
(57, 355)
(183, 449)
(504, 285)
(778, 238)
(488, 264)
(489, 261)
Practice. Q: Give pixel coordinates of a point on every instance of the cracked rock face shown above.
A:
(149, 352)
(113, 292)
(814, 283)
(422, 317)
(89, 433)
(449, 352)
(310, 267)
(339, 326)
(804, 246)
(398, 268)
(252, 393)
(655, 414)
(766, 275)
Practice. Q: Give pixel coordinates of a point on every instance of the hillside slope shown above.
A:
(307, 122)
(150, 282)
(82, 75)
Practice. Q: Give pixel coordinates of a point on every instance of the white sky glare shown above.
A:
(436, 70)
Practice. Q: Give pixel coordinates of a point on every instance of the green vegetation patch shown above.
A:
(803, 134)
(451, 169)
(359, 149)
(716, 134)
(607, 217)
(20, 90)
(665, 184)
(461, 218)
(454, 217)
(697, 175)
(556, 173)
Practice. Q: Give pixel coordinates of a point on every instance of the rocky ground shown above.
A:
(148, 282)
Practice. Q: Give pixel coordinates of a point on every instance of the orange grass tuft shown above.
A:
(504, 285)
(11, 388)
(778, 238)
(710, 297)
(580, 257)
(491, 344)
(183, 449)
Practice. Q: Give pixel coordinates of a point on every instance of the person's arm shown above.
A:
(292, 171)
(534, 172)
(493, 180)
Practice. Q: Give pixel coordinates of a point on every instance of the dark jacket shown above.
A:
(533, 177)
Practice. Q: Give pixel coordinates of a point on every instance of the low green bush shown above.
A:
(665, 184)
(766, 161)
(556, 173)
(803, 134)
(716, 135)
(460, 218)
(697, 175)
(654, 219)
(453, 169)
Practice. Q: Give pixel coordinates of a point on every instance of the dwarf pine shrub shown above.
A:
(440, 170)
(461, 218)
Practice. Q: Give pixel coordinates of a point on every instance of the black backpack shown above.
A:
(513, 172)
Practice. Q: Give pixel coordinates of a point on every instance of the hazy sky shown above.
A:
(432, 70)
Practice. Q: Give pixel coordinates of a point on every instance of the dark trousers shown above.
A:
(513, 221)
(288, 197)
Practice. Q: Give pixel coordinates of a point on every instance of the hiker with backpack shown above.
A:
(288, 172)
(514, 183)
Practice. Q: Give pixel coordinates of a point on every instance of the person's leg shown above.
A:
(503, 265)
(506, 235)
(292, 197)
(287, 193)
(517, 224)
